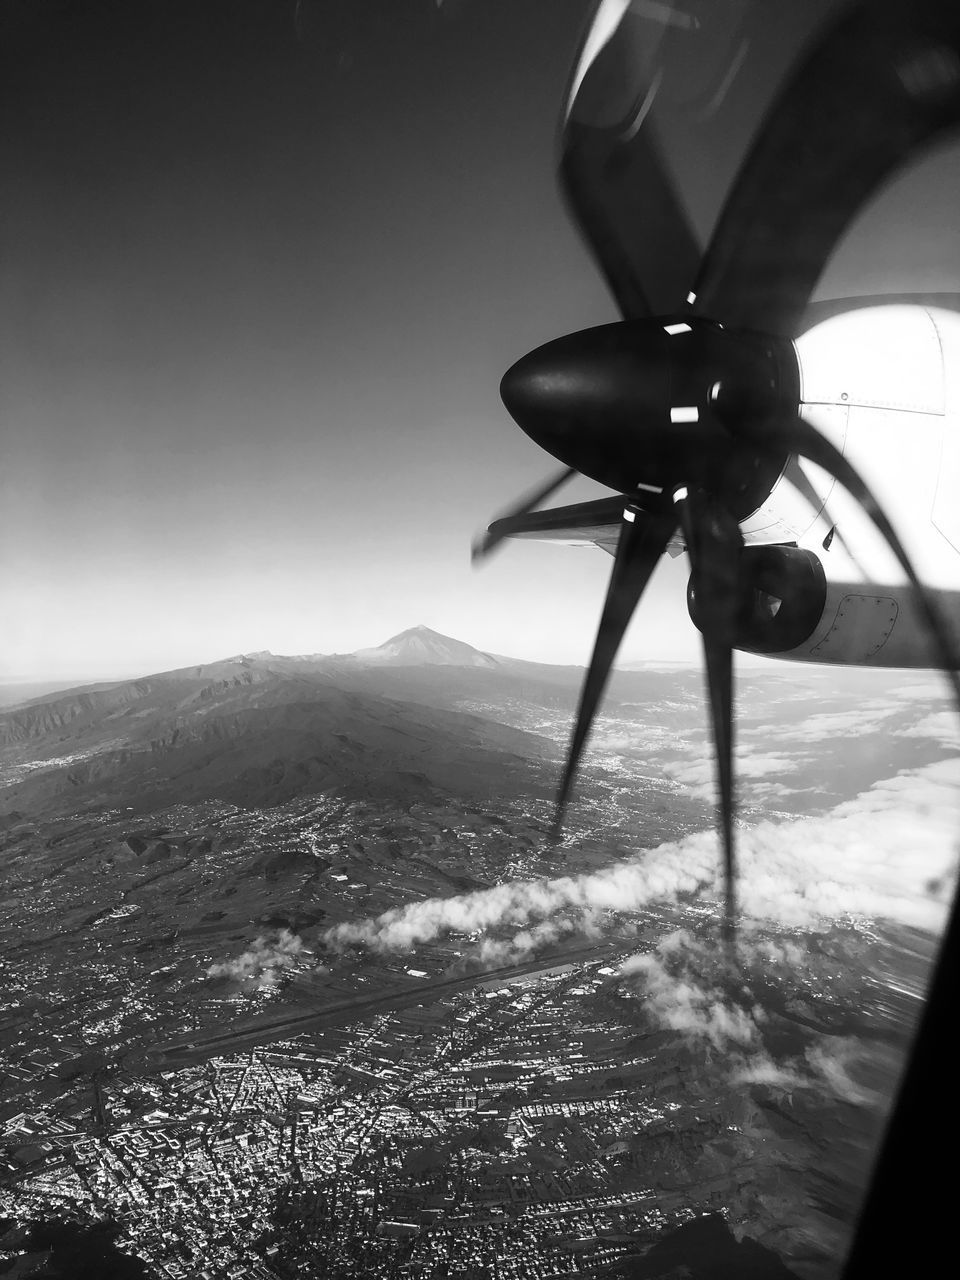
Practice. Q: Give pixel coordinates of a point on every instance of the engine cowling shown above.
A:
(782, 594)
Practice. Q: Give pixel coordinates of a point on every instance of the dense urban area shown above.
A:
(207, 1044)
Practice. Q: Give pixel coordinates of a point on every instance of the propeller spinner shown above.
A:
(690, 406)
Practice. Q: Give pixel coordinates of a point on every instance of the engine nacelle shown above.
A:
(783, 591)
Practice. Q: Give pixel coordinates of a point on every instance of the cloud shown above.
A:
(865, 717)
(259, 967)
(873, 857)
(761, 1069)
(687, 986)
(495, 952)
(942, 726)
(782, 951)
(764, 792)
(678, 998)
(622, 886)
(936, 686)
(750, 766)
(830, 1062)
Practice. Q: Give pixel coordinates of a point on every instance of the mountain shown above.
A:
(15, 692)
(419, 665)
(419, 646)
(420, 711)
(71, 712)
(254, 730)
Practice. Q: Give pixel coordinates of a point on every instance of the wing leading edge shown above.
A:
(584, 523)
(598, 523)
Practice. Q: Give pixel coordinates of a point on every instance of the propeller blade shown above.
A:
(800, 481)
(495, 534)
(883, 81)
(642, 543)
(714, 544)
(617, 188)
(799, 437)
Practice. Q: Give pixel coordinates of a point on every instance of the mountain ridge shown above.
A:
(261, 729)
(418, 666)
(409, 647)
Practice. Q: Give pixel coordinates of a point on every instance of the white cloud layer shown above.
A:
(874, 857)
(698, 776)
(866, 717)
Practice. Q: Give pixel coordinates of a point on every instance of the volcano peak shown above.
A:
(422, 646)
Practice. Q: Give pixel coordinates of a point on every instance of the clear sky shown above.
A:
(263, 267)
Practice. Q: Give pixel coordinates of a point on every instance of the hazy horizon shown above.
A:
(111, 675)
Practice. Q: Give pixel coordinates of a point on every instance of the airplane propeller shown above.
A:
(641, 544)
(529, 502)
(690, 406)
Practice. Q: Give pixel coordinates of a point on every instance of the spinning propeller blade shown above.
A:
(882, 82)
(643, 540)
(714, 544)
(493, 537)
(798, 478)
(612, 174)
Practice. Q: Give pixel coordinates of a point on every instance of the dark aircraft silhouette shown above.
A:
(692, 407)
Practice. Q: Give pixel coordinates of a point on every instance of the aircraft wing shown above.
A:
(582, 524)
(598, 524)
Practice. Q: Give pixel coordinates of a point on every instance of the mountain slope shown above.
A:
(75, 711)
(256, 730)
(420, 711)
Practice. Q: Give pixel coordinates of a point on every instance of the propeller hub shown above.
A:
(645, 406)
